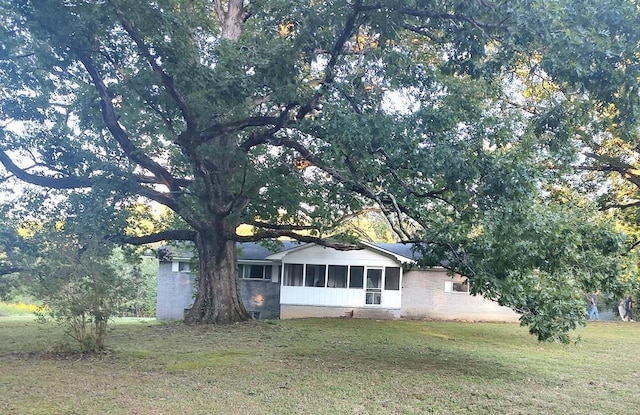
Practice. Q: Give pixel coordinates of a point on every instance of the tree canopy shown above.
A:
(460, 120)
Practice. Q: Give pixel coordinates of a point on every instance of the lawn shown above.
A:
(321, 366)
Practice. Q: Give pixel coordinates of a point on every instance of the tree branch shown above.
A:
(44, 181)
(328, 242)
(167, 80)
(111, 120)
(6, 270)
(233, 127)
(347, 31)
(454, 17)
(611, 164)
(256, 138)
(170, 235)
(622, 205)
(275, 227)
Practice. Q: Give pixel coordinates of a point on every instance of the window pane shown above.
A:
(256, 271)
(461, 286)
(374, 278)
(293, 275)
(183, 266)
(392, 278)
(356, 278)
(374, 298)
(240, 270)
(337, 276)
(315, 276)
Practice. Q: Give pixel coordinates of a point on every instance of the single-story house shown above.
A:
(308, 280)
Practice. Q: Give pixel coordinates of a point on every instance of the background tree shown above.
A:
(289, 116)
(79, 278)
(12, 259)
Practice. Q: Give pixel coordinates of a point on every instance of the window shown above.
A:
(293, 275)
(181, 266)
(392, 278)
(461, 287)
(356, 277)
(456, 286)
(254, 271)
(337, 277)
(315, 276)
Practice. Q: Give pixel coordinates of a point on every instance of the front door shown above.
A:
(374, 286)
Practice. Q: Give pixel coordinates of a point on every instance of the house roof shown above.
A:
(255, 251)
(248, 251)
(405, 250)
(400, 252)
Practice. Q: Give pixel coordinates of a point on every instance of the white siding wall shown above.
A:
(342, 297)
(338, 297)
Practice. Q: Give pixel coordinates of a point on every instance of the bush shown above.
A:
(83, 292)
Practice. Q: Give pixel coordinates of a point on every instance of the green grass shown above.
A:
(320, 366)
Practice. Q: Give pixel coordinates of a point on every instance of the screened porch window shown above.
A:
(461, 287)
(293, 274)
(392, 278)
(337, 276)
(315, 276)
(372, 279)
(356, 277)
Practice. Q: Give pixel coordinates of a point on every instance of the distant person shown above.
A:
(628, 308)
(593, 306)
(621, 311)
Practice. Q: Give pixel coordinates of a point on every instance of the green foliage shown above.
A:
(140, 274)
(80, 279)
(80, 288)
(543, 260)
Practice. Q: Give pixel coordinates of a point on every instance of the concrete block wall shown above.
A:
(261, 296)
(175, 292)
(424, 296)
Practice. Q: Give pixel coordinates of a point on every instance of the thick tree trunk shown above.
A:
(218, 298)
(230, 13)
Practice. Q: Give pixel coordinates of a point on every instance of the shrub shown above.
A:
(83, 292)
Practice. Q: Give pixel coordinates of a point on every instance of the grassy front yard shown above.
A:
(321, 366)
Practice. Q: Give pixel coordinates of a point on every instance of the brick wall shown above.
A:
(424, 296)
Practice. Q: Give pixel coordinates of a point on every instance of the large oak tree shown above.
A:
(455, 118)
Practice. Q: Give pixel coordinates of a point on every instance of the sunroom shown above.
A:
(317, 281)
